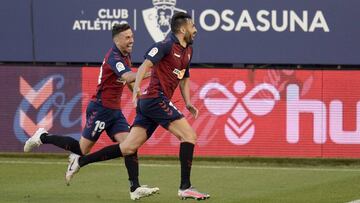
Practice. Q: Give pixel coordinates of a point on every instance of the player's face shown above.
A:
(190, 31)
(125, 41)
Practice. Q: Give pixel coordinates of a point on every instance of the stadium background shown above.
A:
(274, 79)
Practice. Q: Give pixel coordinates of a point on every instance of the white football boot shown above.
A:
(34, 141)
(143, 191)
(73, 167)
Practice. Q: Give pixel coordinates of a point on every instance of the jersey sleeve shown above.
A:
(119, 66)
(158, 51)
(187, 72)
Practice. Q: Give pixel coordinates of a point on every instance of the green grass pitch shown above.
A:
(42, 180)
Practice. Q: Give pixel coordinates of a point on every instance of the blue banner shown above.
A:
(15, 32)
(243, 31)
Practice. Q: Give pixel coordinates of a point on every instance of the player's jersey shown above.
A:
(171, 64)
(110, 85)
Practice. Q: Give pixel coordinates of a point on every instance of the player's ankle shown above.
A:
(133, 188)
(134, 184)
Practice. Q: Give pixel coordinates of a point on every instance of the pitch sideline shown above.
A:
(195, 166)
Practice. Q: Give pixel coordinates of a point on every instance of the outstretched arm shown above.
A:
(130, 77)
(131, 85)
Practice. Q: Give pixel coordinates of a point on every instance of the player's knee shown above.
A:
(131, 151)
(85, 150)
(120, 137)
(190, 137)
(127, 150)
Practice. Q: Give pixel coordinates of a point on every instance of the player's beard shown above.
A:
(188, 38)
(127, 49)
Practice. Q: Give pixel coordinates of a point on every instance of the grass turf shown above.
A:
(42, 180)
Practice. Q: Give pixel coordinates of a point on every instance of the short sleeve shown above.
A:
(158, 51)
(119, 66)
(187, 72)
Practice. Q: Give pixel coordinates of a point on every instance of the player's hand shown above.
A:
(193, 110)
(136, 92)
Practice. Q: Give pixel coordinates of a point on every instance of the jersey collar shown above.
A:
(176, 40)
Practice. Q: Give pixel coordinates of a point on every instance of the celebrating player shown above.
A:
(169, 62)
(104, 110)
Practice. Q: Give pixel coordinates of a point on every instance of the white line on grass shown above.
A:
(195, 166)
(355, 201)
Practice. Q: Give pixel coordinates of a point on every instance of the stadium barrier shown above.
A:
(243, 112)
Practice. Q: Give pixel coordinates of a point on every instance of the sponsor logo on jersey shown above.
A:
(179, 73)
(120, 80)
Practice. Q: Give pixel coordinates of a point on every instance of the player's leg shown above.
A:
(133, 141)
(89, 136)
(143, 128)
(67, 143)
(41, 136)
(186, 134)
(169, 117)
(139, 133)
(98, 119)
(118, 131)
(86, 145)
(163, 112)
(131, 163)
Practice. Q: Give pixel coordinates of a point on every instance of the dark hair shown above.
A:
(117, 28)
(178, 20)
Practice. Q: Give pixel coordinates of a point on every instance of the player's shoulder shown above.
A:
(160, 48)
(167, 41)
(116, 61)
(165, 44)
(115, 54)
